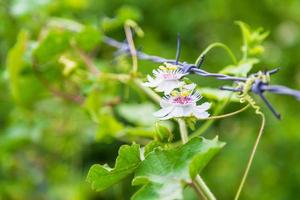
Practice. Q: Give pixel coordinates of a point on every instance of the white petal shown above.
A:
(205, 106)
(169, 88)
(156, 72)
(161, 87)
(190, 86)
(163, 112)
(200, 111)
(201, 115)
(171, 85)
(177, 112)
(187, 110)
(152, 82)
(179, 84)
(166, 117)
(164, 103)
(148, 84)
(166, 87)
(180, 75)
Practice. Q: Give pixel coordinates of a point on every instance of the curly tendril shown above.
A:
(246, 88)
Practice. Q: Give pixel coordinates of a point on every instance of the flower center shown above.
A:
(183, 100)
(169, 76)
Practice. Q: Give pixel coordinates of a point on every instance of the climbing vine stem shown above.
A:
(251, 156)
(214, 45)
(132, 48)
(199, 182)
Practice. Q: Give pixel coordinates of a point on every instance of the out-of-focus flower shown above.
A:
(166, 78)
(182, 103)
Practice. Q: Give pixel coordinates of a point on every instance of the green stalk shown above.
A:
(245, 175)
(209, 195)
(183, 130)
(198, 180)
(132, 48)
(214, 45)
(208, 123)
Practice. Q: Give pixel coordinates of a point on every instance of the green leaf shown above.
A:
(15, 64)
(246, 32)
(139, 114)
(102, 176)
(163, 172)
(241, 69)
(163, 133)
(23, 7)
(191, 122)
(128, 12)
(93, 103)
(109, 126)
(151, 146)
(88, 38)
(252, 39)
(123, 14)
(55, 43)
(219, 95)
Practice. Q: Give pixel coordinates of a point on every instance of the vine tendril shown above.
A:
(250, 161)
(246, 87)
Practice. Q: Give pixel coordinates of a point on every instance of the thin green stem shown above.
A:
(114, 76)
(198, 191)
(211, 119)
(229, 114)
(251, 157)
(208, 123)
(132, 48)
(214, 45)
(198, 180)
(183, 130)
(209, 195)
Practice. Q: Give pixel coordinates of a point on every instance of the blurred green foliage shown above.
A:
(48, 141)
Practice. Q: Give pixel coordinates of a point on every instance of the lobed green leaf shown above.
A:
(101, 176)
(242, 69)
(216, 94)
(164, 172)
(139, 114)
(88, 38)
(54, 44)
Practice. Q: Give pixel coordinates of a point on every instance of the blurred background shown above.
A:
(48, 143)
